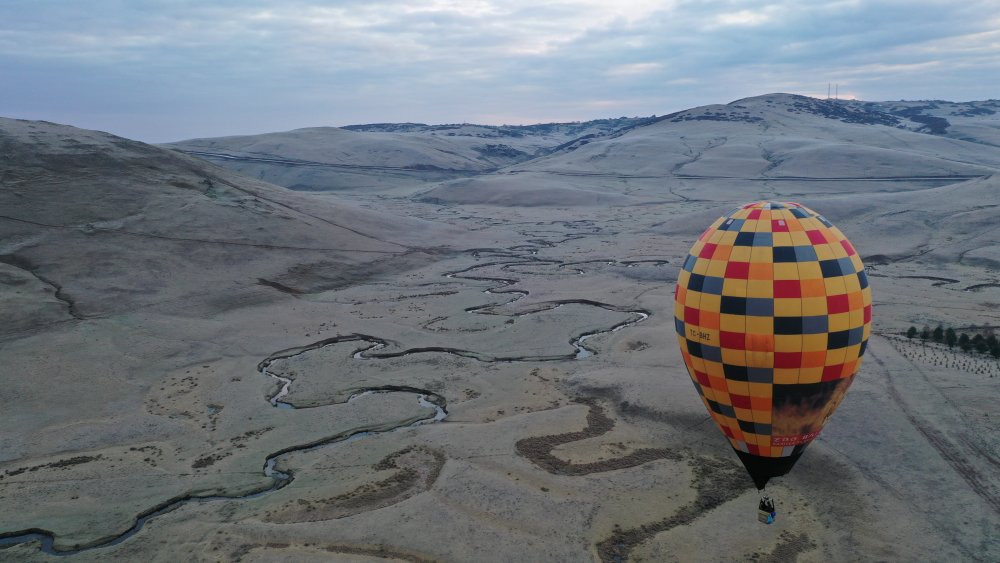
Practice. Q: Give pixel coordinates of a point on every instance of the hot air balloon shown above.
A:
(773, 313)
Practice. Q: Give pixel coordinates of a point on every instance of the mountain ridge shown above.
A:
(420, 154)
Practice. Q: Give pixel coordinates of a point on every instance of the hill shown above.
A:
(828, 146)
(382, 156)
(705, 153)
(976, 122)
(776, 136)
(94, 225)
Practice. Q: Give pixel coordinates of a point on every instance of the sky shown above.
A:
(167, 70)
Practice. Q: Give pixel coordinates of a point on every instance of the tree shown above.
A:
(964, 342)
(980, 343)
(995, 352)
(938, 334)
(925, 333)
(911, 332)
(950, 337)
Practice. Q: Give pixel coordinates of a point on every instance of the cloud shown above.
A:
(630, 69)
(158, 70)
(746, 18)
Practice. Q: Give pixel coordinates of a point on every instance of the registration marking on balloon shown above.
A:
(773, 315)
(783, 441)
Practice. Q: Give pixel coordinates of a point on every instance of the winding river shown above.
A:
(368, 351)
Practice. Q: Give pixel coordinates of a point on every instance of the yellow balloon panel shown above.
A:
(773, 313)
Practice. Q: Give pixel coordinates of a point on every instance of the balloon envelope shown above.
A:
(773, 313)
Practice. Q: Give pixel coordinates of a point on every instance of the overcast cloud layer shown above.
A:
(168, 70)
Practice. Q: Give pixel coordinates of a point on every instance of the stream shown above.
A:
(280, 479)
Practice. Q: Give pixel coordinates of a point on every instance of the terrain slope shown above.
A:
(479, 365)
(384, 156)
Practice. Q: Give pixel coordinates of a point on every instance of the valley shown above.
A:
(429, 343)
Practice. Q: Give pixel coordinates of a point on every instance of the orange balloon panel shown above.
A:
(773, 313)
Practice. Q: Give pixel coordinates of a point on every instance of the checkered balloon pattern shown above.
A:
(773, 313)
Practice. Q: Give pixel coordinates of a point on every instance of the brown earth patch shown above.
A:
(374, 551)
(417, 468)
(61, 464)
(789, 547)
(538, 449)
(378, 552)
(717, 481)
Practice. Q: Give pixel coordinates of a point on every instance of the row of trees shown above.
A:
(978, 342)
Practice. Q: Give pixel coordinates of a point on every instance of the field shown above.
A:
(478, 366)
